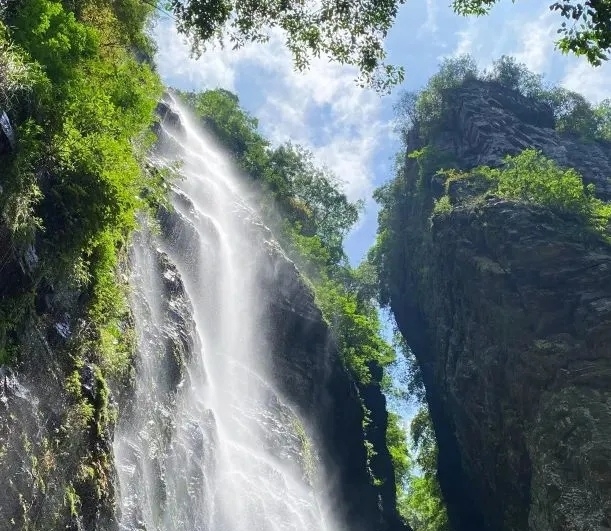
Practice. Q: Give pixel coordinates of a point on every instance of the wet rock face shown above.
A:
(507, 307)
(308, 369)
(169, 118)
(52, 435)
(7, 135)
(43, 451)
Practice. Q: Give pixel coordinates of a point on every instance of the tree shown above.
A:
(587, 30)
(348, 32)
(427, 106)
(221, 114)
(15, 73)
(603, 117)
(353, 33)
(421, 504)
(509, 73)
(573, 113)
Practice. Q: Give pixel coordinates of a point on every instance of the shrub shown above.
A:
(532, 177)
(16, 75)
(442, 205)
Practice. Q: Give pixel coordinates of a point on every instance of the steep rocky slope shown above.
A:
(507, 307)
(55, 412)
(309, 370)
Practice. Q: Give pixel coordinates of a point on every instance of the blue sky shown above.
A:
(350, 129)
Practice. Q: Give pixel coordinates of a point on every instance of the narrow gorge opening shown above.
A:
(193, 302)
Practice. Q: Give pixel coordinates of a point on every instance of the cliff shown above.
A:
(507, 308)
(308, 369)
(55, 410)
(61, 397)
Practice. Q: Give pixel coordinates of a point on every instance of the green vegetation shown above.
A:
(15, 74)
(585, 31)
(348, 32)
(443, 205)
(421, 504)
(396, 440)
(572, 112)
(419, 498)
(308, 458)
(533, 178)
(81, 105)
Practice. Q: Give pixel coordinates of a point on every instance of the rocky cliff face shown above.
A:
(486, 121)
(308, 369)
(507, 307)
(55, 427)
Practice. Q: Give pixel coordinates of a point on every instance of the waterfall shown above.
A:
(206, 442)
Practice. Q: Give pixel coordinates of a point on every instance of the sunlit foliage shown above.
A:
(74, 182)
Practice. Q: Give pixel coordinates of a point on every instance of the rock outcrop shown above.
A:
(308, 369)
(486, 121)
(507, 307)
(7, 135)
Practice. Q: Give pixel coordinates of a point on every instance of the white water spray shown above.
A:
(222, 450)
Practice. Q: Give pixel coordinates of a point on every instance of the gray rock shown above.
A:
(485, 122)
(7, 135)
(507, 307)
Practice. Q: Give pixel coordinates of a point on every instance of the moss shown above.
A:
(103, 415)
(72, 500)
(14, 312)
(443, 205)
(308, 460)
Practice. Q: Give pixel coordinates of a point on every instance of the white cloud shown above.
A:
(432, 13)
(177, 67)
(322, 108)
(592, 82)
(536, 43)
(466, 40)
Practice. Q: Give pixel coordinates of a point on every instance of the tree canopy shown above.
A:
(586, 30)
(353, 33)
(348, 32)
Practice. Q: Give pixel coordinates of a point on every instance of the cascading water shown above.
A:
(207, 443)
